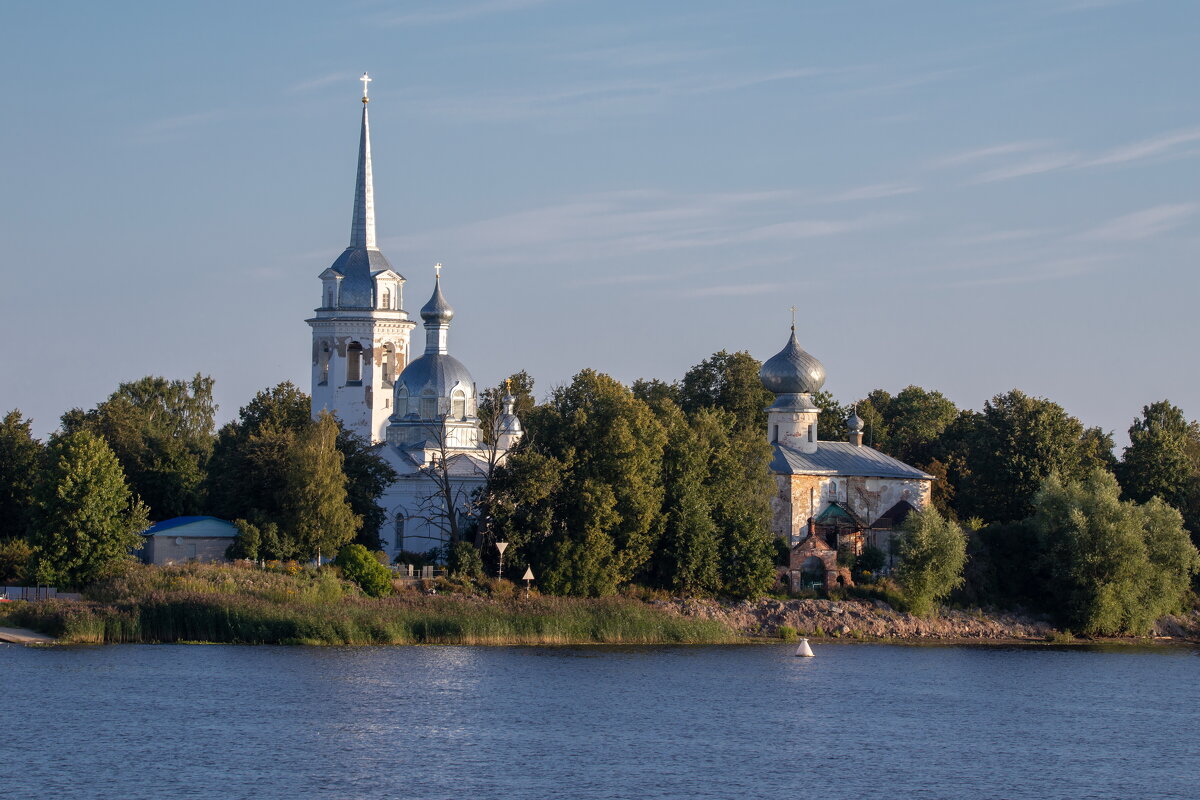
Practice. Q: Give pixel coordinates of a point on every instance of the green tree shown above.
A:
(19, 456)
(315, 509)
(686, 557)
(1113, 566)
(738, 489)
(1160, 459)
(1014, 445)
(162, 433)
(655, 391)
(728, 381)
(933, 552)
(359, 565)
(464, 561)
(84, 518)
(367, 477)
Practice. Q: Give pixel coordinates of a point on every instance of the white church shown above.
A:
(420, 413)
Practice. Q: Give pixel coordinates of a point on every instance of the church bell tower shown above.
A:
(361, 330)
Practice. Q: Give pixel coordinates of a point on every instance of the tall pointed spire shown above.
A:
(362, 231)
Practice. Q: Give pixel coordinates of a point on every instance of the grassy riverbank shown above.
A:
(224, 604)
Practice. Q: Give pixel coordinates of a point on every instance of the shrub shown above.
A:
(14, 558)
(933, 551)
(464, 561)
(359, 565)
(787, 633)
(872, 559)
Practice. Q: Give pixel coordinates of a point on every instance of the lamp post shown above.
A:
(527, 577)
(500, 570)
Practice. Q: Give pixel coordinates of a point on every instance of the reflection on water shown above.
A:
(596, 722)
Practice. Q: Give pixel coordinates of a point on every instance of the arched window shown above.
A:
(354, 355)
(329, 297)
(428, 405)
(401, 401)
(458, 404)
(324, 376)
(389, 363)
(812, 432)
(387, 299)
(399, 531)
(775, 434)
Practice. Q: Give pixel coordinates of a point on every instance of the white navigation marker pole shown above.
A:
(527, 577)
(500, 546)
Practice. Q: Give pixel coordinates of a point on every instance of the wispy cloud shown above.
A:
(733, 290)
(167, 126)
(619, 225)
(443, 13)
(875, 191)
(1037, 271)
(319, 83)
(984, 153)
(1033, 166)
(1163, 144)
(1141, 224)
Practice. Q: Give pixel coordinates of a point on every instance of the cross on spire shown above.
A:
(365, 80)
(437, 269)
(793, 310)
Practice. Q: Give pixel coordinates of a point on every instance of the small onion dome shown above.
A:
(792, 370)
(437, 310)
(509, 423)
(855, 423)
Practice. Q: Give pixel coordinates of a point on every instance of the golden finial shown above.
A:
(365, 80)
(507, 386)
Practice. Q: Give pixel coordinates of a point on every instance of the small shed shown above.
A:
(181, 539)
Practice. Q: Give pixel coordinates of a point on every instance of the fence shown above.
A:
(36, 593)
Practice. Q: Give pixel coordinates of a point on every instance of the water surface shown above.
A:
(149, 721)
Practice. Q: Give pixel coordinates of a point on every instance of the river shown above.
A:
(143, 721)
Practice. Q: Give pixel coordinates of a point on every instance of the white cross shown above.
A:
(793, 318)
(365, 80)
(437, 268)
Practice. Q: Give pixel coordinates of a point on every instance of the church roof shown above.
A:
(358, 266)
(792, 370)
(842, 458)
(438, 372)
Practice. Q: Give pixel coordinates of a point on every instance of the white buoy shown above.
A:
(804, 649)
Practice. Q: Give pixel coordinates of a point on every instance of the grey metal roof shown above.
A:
(792, 370)
(436, 371)
(437, 310)
(842, 458)
(357, 266)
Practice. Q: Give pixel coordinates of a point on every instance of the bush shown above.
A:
(872, 559)
(787, 633)
(359, 565)
(933, 551)
(14, 559)
(464, 561)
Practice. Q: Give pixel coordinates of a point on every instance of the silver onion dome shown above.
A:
(792, 370)
(437, 310)
(436, 374)
(855, 424)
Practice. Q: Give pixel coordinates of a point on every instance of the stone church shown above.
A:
(831, 498)
(421, 414)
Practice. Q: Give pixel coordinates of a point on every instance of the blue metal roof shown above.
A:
(842, 458)
(179, 526)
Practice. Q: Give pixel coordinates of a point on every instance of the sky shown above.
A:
(970, 197)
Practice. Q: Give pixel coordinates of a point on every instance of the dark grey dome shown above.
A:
(356, 266)
(855, 423)
(792, 370)
(437, 310)
(438, 372)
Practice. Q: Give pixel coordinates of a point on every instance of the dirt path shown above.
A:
(24, 636)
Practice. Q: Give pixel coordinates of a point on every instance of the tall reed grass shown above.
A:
(247, 606)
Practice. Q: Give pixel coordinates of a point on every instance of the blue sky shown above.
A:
(966, 196)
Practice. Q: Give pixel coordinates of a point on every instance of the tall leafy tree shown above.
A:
(1159, 460)
(85, 517)
(19, 456)
(1113, 566)
(162, 433)
(933, 552)
(315, 509)
(1015, 444)
(728, 381)
(687, 554)
(367, 477)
